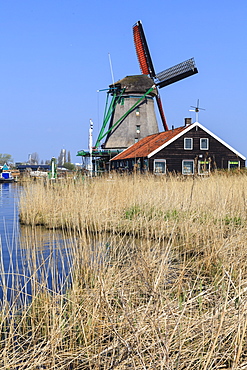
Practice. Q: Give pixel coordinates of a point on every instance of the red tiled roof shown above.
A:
(148, 144)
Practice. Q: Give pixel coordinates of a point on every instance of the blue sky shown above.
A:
(54, 56)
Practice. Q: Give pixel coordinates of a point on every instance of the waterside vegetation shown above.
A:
(158, 276)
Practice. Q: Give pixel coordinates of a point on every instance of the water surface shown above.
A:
(29, 257)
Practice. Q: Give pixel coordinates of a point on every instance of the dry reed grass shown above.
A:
(173, 298)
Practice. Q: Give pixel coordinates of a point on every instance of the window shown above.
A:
(204, 143)
(203, 167)
(159, 166)
(233, 164)
(188, 167)
(188, 143)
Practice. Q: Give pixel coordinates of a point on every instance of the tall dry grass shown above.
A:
(173, 298)
(140, 205)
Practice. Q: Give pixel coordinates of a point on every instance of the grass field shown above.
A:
(158, 276)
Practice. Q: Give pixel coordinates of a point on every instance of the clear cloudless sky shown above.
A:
(54, 56)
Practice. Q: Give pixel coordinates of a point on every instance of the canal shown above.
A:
(30, 258)
(36, 260)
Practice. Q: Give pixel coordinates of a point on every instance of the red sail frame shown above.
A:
(162, 114)
(141, 55)
(146, 64)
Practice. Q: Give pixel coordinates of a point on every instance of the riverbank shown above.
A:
(169, 294)
(146, 206)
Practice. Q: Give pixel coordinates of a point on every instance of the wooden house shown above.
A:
(191, 149)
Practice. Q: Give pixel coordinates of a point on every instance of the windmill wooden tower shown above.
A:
(134, 112)
(131, 115)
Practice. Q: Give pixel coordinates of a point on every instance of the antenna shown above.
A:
(109, 55)
(196, 109)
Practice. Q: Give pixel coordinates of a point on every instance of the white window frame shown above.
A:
(156, 161)
(203, 172)
(191, 139)
(193, 168)
(231, 162)
(204, 138)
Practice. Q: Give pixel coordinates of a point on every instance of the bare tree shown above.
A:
(5, 158)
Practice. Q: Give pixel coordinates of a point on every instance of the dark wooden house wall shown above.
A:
(217, 153)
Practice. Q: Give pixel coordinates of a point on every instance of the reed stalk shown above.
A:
(154, 276)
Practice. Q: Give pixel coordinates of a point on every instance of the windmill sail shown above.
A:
(176, 73)
(168, 76)
(146, 64)
(142, 50)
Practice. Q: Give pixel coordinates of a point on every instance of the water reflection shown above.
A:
(9, 233)
(34, 260)
(46, 260)
(31, 259)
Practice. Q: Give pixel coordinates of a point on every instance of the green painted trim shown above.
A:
(107, 115)
(126, 113)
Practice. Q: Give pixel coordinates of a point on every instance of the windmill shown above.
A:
(130, 115)
(162, 79)
(196, 109)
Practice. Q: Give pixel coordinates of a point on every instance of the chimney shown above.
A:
(187, 122)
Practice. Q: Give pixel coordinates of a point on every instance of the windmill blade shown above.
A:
(146, 63)
(162, 114)
(176, 73)
(167, 77)
(142, 50)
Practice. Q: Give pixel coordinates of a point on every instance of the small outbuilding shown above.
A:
(191, 149)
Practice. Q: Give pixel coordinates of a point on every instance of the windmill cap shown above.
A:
(135, 84)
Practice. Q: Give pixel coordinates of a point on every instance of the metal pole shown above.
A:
(91, 148)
